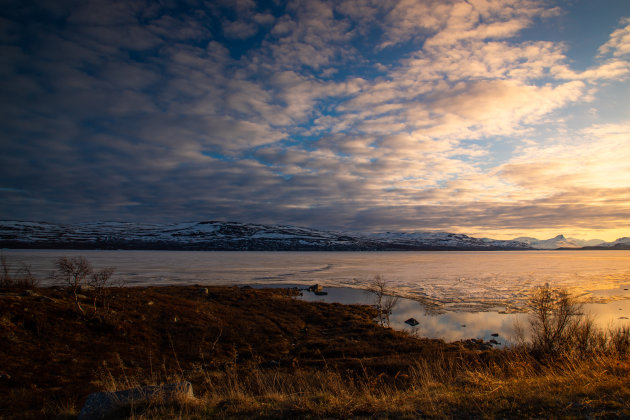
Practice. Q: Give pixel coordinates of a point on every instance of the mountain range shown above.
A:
(558, 242)
(233, 236)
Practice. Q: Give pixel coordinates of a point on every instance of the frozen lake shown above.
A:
(462, 288)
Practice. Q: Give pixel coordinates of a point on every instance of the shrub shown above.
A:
(100, 282)
(383, 300)
(559, 327)
(77, 272)
(21, 278)
(555, 317)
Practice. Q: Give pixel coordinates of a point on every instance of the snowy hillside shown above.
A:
(558, 242)
(621, 243)
(214, 235)
(445, 240)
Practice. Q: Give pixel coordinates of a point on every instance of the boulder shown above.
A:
(317, 288)
(412, 321)
(101, 405)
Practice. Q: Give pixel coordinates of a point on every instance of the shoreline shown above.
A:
(263, 353)
(487, 280)
(456, 325)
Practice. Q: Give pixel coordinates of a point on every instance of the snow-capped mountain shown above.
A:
(558, 242)
(621, 243)
(214, 235)
(445, 240)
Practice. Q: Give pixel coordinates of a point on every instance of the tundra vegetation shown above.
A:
(384, 299)
(77, 274)
(261, 353)
(20, 278)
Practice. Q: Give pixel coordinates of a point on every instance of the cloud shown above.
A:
(597, 157)
(619, 42)
(239, 29)
(247, 21)
(490, 108)
(441, 23)
(308, 35)
(358, 114)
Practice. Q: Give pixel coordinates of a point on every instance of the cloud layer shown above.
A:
(356, 114)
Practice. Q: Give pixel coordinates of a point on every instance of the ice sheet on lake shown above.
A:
(452, 281)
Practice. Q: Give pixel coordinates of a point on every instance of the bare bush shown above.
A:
(100, 282)
(559, 327)
(384, 301)
(77, 273)
(555, 317)
(22, 278)
(619, 340)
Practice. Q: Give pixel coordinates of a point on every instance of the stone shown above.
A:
(412, 321)
(316, 288)
(101, 405)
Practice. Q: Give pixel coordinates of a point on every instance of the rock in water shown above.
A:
(317, 288)
(412, 321)
(101, 405)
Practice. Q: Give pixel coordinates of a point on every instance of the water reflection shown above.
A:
(453, 326)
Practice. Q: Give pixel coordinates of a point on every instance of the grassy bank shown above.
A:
(262, 353)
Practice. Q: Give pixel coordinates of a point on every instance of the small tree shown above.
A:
(77, 272)
(21, 278)
(383, 299)
(73, 273)
(100, 281)
(555, 320)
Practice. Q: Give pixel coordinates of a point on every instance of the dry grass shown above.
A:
(515, 385)
(263, 354)
(582, 381)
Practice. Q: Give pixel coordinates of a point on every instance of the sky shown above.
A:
(493, 118)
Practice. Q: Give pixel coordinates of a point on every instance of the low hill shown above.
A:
(228, 236)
